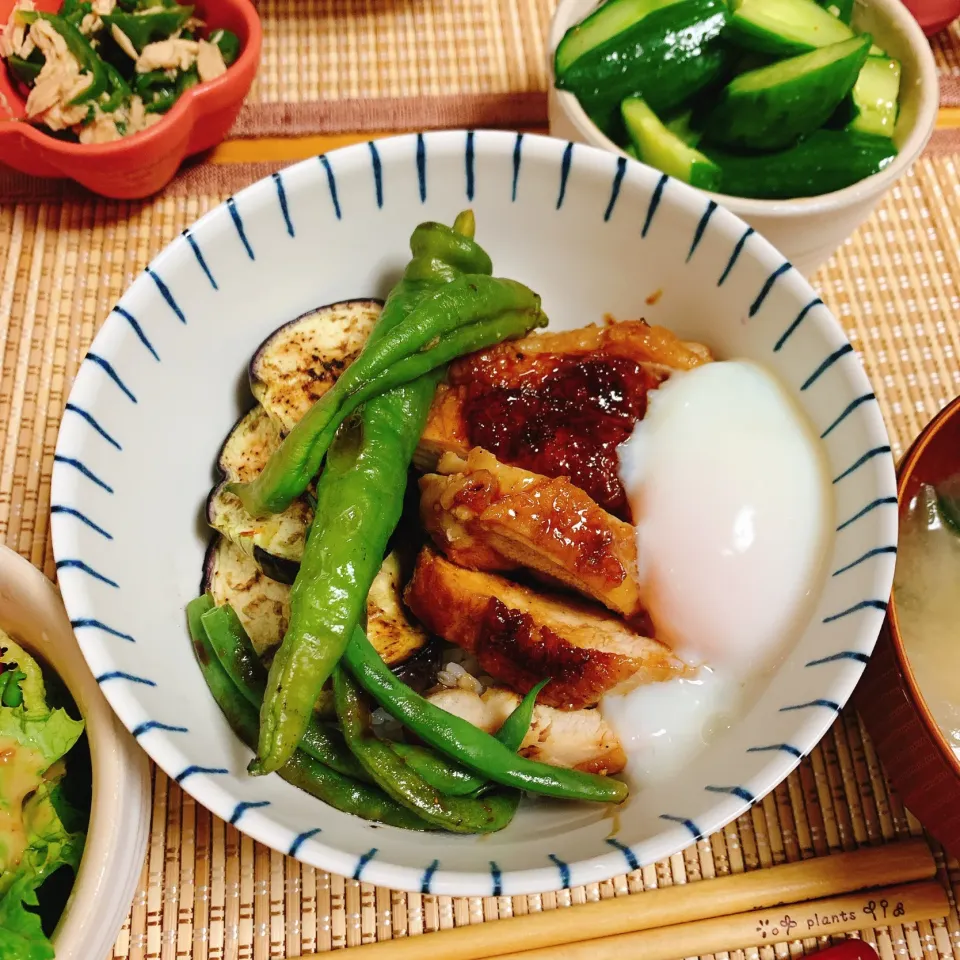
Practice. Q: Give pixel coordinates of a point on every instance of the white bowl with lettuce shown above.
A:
(784, 111)
(74, 787)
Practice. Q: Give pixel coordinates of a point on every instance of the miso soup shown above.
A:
(927, 594)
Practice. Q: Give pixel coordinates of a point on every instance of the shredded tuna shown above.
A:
(14, 34)
(103, 129)
(106, 127)
(90, 24)
(58, 82)
(168, 54)
(210, 63)
(123, 41)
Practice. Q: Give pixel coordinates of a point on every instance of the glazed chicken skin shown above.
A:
(575, 739)
(488, 516)
(519, 636)
(558, 404)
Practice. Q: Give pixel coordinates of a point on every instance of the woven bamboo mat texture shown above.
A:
(376, 49)
(946, 51)
(345, 64)
(208, 893)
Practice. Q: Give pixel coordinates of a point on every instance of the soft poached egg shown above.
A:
(730, 497)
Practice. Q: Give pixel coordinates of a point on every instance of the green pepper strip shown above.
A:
(461, 740)
(401, 782)
(360, 498)
(301, 771)
(235, 652)
(79, 46)
(142, 28)
(119, 91)
(162, 102)
(23, 70)
(420, 339)
(76, 15)
(229, 44)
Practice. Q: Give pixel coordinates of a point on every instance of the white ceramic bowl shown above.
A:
(32, 613)
(164, 382)
(807, 230)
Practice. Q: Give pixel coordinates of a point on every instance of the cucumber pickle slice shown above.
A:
(784, 27)
(826, 161)
(773, 107)
(664, 149)
(606, 22)
(875, 97)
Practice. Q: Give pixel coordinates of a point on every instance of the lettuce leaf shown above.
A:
(49, 735)
(51, 846)
(43, 832)
(21, 932)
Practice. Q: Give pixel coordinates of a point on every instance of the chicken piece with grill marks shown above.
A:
(520, 636)
(558, 404)
(489, 516)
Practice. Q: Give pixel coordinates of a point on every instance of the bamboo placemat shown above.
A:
(206, 892)
(946, 51)
(335, 65)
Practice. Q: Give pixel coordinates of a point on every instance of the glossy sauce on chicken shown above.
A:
(557, 415)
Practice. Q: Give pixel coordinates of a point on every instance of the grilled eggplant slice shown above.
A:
(276, 543)
(299, 363)
(396, 636)
(263, 605)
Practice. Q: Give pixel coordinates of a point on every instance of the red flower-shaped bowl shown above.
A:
(143, 163)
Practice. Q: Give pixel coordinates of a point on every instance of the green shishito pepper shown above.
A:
(461, 740)
(144, 28)
(447, 302)
(465, 314)
(229, 44)
(235, 652)
(79, 47)
(399, 781)
(301, 771)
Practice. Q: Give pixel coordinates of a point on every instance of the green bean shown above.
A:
(461, 740)
(516, 726)
(451, 778)
(399, 781)
(302, 771)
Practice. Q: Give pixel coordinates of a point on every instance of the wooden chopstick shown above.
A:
(689, 904)
(850, 911)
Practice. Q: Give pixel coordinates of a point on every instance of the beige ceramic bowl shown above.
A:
(32, 613)
(808, 230)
